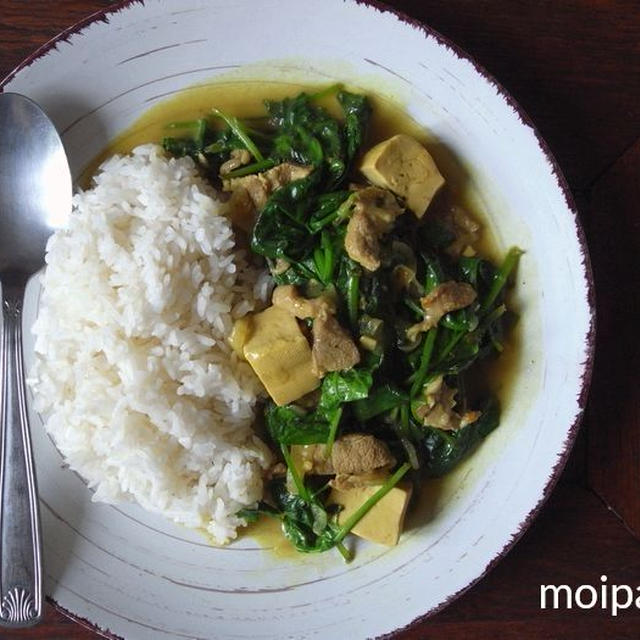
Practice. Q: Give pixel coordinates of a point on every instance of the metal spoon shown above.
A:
(35, 199)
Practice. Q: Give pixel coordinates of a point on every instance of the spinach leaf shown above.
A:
(328, 209)
(380, 400)
(444, 450)
(307, 134)
(434, 235)
(344, 386)
(280, 230)
(469, 270)
(180, 147)
(348, 286)
(200, 141)
(306, 522)
(434, 272)
(311, 526)
(465, 320)
(292, 425)
(357, 113)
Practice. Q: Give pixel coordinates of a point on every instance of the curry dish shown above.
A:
(384, 308)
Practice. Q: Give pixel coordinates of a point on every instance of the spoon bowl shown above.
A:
(35, 185)
(35, 200)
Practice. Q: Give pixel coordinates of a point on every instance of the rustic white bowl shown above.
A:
(138, 576)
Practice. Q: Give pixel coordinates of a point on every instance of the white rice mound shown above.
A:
(133, 374)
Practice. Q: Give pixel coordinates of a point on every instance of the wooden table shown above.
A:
(574, 65)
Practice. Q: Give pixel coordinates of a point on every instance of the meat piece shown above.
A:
(242, 211)
(333, 348)
(404, 166)
(361, 241)
(380, 206)
(446, 297)
(438, 410)
(278, 469)
(260, 186)
(285, 173)
(279, 267)
(357, 454)
(239, 157)
(286, 296)
(360, 453)
(465, 229)
(375, 211)
(403, 278)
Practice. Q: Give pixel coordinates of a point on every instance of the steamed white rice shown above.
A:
(137, 384)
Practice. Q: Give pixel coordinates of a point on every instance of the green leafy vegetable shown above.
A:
(508, 265)
(380, 400)
(292, 425)
(240, 132)
(445, 449)
(357, 111)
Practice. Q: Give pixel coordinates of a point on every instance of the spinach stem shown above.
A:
(339, 215)
(302, 490)
(199, 126)
(201, 129)
(255, 167)
(344, 552)
(370, 502)
(214, 147)
(453, 341)
(489, 320)
(329, 91)
(419, 311)
(508, 265)
(239, 130)
(410, 450)
(425, 360)
(353, 297)
(333, 430)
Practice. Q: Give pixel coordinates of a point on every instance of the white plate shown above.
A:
(141, 577)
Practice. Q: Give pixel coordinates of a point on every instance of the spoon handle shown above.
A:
(20, 545)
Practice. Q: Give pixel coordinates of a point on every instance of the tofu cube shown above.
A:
(402, 165)
(239, 335)
(383, 523)
(280, 355)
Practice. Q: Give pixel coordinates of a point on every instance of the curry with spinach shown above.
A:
(380, 313)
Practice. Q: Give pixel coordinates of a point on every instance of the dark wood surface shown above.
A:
(575, 68)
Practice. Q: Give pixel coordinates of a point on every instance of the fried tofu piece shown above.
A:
(383, 523)
(278, 352)
(402, 165)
